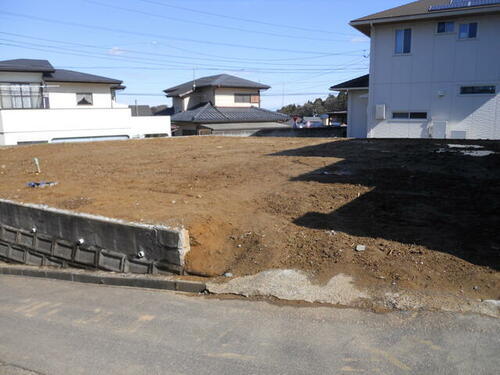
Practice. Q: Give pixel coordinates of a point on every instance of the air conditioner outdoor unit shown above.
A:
(380, 112)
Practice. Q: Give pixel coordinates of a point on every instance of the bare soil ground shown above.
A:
(430, 220)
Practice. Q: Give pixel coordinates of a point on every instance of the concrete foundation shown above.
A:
(40, 235)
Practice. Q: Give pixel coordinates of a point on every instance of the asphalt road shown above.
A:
(57, 327)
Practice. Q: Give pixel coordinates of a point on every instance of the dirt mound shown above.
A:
(427, 213)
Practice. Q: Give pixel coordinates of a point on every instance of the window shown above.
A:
(418, 115)
(242, 98)
(20, 96)
(247, 98)
(84, 99)
(470, 90)
(403, 41)
(445, 27)
(468, 30)
(410, 115)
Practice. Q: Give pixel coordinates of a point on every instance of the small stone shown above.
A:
(239, 245)
(360, 248)
(173, 202)
(476, 288)
(228, 274)
(198, 196)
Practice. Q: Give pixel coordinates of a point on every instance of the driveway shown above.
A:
(57, 327)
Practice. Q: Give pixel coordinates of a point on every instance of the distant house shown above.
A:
(141, 110)
(434, 72)
(222, 104)
(40, 104)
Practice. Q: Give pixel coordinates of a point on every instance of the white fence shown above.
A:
(86, 124)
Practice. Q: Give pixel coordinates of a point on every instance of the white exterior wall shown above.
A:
(224, 97)
(64, 95)
(357, 104)
(438, 64)
(48, 125)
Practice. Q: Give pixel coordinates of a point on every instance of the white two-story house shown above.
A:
(222, 104)
(434, 72)
(41, 104)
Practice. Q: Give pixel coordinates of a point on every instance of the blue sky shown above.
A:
(299, 47)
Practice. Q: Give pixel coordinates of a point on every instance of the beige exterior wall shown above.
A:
(221, 97)
(224, 97)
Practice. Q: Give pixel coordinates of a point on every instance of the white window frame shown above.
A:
(21, 95)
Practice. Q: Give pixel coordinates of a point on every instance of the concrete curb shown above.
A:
(134, 282)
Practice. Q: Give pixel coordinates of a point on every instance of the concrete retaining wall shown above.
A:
(39, 235)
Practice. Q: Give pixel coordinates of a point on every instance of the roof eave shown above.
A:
(364, 26)
(348, 88)
(21, 70)
(97, 83)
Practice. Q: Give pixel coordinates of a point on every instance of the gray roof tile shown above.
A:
(220, 80)
(63, 75)
(26, 65)
(360, 82)
(207, 113)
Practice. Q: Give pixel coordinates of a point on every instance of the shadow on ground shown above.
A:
(445, 201)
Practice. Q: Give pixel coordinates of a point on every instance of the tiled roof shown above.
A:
(247, 126)
(140, 110)
(207, 113)
(63, 75)
(220, 80)
(26, 65)
(356, 83)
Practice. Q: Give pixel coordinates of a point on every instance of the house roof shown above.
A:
(220, 80)
(63, 75)
(247, 126)
(421, 8)
(207, 113)
(357, 83)
(141, 110)
(26, 65)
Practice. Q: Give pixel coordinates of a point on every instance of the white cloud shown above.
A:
(115, 51)
(360, 39)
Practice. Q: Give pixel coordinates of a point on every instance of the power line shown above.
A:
(58, 49)
(198, 41)
(289, 94)
(223, 27)
(151, 53)
(242, 19)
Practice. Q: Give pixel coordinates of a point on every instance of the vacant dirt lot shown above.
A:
(430, 220)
